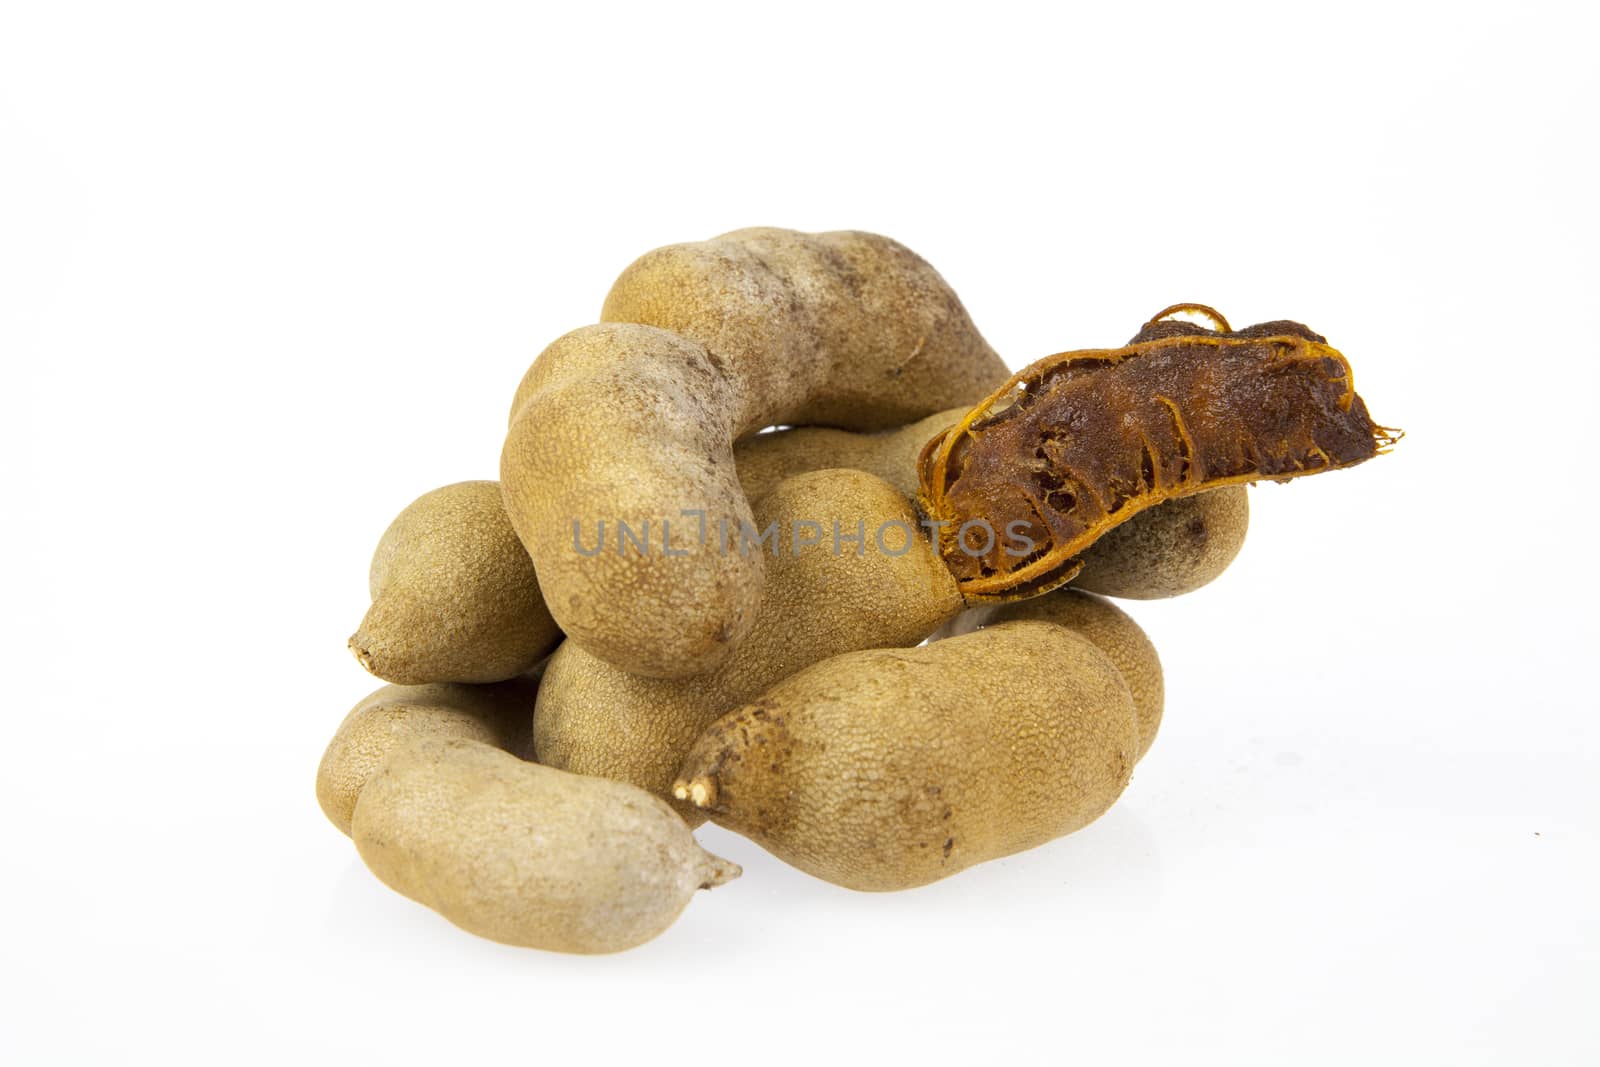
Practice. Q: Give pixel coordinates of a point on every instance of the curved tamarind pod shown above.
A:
(846, 328)
(1082, 441)
(633, 421)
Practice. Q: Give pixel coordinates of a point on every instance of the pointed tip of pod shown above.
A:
(360, 648)
(381, 659)
(718, 871)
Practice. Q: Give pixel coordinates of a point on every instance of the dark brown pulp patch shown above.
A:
(1082, 441)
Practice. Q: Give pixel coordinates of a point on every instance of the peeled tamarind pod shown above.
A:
(454, 594)
(500, 715)
(892, 768)
(1080, 442)
(1173, 548)
(596, 718)
(618, 469)
(525, 854)
(1107, 626)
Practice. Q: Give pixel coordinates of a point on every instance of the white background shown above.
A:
(268, 272)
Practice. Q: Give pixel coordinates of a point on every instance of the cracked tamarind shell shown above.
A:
(892, 768)
(1078, 443)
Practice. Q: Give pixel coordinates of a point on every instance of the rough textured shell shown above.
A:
(702, 344)
(1104, 624)
(889, 769)
(595, 718)
(525, 854)
(770, 458)
(454, 594)
(500, 715)
(1176, 547)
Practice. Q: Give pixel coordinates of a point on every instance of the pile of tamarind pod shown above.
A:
(662, 614)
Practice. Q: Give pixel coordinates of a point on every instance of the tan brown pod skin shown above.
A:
(1173, 548)
(893, 768)
(846, 328)
(527, 855)
(1104, 624)
(595, 718)
(770, 458)
(454, 594)
(500, 715)
(634, 421)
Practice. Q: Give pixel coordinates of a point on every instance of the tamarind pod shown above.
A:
(633, 421)
(887, 769)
